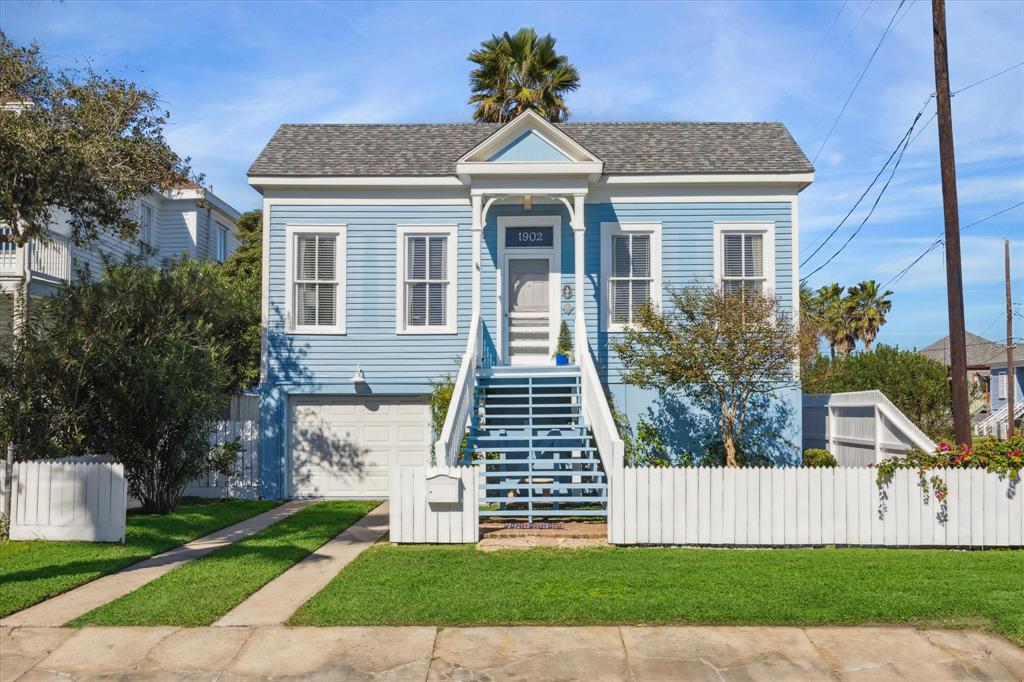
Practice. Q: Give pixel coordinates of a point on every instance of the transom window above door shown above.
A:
(744, 257)
(315, 255)
(630, 269)
(427, 271)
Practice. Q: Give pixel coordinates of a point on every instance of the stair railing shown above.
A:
(996, 423)
(448, 446)
(599, 414)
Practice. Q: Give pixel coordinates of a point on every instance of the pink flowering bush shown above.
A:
(1003, 457)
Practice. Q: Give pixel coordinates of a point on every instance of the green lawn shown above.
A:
(458, 585)
(33, 571)
(201, 591)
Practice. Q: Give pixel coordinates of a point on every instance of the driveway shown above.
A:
(507, 653)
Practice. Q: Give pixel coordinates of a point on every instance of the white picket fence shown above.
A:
(812, 507)
(415, 520)
(243, 423)
(75, 498)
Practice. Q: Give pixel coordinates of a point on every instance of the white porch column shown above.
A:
(578, 231)
(478, 233)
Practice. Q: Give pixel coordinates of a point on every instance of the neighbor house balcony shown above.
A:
(48, 260)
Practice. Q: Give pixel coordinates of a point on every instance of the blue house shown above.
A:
(398, 255)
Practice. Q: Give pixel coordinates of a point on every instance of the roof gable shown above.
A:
(529, 146)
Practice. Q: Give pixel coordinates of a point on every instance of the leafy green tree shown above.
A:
(80, 141)
(726, 350)
(869, 306)
(520, 72)
(136, 365)
(244, 270)
(917, 385)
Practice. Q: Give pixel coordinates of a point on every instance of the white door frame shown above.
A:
(554, 256)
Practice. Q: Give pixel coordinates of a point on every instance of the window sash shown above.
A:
(315, 283)
(426, 280)
(631, 277)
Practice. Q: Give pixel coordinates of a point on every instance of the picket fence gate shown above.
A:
(74, 498)
(242, 421)
(415, 520)
(812, 507)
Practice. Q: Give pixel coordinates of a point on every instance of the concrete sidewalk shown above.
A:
(508, 653)
(70, 605)
(276, 601)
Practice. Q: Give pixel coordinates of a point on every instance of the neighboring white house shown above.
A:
(187, 220)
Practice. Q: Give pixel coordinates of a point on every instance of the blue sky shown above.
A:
(231, 72)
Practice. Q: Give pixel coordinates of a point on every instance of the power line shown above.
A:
(931, 247)
(859, 79)
(927, 101)
(823, 39)
(881, 192)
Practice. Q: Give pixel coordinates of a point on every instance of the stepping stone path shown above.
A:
(70, 605)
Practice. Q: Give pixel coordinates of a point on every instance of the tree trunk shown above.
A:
(730, 451)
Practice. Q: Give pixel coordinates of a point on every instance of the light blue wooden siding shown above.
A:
(999, 374)
(687, 254)
(392, 363)
(529, 147)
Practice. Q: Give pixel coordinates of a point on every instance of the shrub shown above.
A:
(816, 458)
(1003, 457)
(917, 385)
(136, 365)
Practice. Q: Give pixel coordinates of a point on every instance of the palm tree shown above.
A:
(810, 330)
(869, 307)
(836, 319)
(517, 73)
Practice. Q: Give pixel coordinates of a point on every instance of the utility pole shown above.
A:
(954, 277)
(1010, 373)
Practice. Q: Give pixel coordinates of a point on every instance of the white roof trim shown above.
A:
(803, 179)
(510, 131)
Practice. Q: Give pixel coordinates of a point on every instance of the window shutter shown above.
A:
(732, 260)
(620, 256)
(417, 258)
(753, 261)
(438, 258)
(619, 296)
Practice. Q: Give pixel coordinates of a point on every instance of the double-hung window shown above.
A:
(427, 270)
(744, 257)
(221, 245)
(316, 276)
(147, 222)
(631, 269)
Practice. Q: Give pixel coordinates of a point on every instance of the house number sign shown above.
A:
(529, 237)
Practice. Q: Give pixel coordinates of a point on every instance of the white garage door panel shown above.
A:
(347, 446)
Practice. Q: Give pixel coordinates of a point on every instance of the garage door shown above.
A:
(347, 446)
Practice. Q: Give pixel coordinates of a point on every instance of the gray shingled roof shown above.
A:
(626, 148)
(980, 351)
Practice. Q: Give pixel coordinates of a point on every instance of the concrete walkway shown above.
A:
(70, 605)
(276, 601)
(503, 653)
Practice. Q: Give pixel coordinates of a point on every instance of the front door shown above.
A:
(528, 310)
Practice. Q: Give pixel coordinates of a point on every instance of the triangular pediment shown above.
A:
(529, 139)
(529, 146)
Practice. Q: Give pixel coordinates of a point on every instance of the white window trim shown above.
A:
(149, 239)
(292, 232)
(220, 242)
(767, 229)
(609, 230)
(401, 234)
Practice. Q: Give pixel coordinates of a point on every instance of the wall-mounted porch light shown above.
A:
(527, 202)
(358, 377)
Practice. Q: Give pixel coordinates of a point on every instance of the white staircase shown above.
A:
(996, 423)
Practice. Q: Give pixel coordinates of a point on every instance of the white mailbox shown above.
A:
(442, 489)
